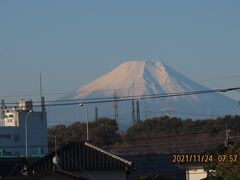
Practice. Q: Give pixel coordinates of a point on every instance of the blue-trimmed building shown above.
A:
(23, 131)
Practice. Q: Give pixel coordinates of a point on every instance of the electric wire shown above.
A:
(127, 98)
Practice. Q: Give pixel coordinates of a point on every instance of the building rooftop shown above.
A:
(82, 156)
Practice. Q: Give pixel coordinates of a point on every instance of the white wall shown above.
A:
(196, 174)
(11, 119)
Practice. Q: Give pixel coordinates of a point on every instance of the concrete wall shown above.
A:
(8, 140)
(37, 131)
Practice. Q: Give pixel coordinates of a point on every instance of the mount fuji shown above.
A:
(138, 78)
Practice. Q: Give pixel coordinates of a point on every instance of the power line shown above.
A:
(65, 92)
(219, 78)
(128, 98)
(143, 96)
(70, 91)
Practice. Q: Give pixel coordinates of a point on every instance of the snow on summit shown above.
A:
(137, 78)
(146, 78)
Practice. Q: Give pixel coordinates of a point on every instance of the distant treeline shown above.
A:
(104, 131)
(166, 125)
(161, 135)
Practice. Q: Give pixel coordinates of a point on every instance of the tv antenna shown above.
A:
(56, 159)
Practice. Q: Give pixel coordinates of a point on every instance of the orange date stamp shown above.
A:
(204, 158)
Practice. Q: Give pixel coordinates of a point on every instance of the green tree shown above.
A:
(230, 169)
(60, 132)
(102, 132)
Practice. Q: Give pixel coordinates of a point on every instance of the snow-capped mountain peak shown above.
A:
(138, 78)
(152, 77)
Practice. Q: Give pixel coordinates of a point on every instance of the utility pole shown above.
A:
(226, 143)
(86, 111)
(133, 112)
(115, 105)
(133, 106)
(138, 112)
(169, 111)
(26, 133)
(146, 111)
(96, 113)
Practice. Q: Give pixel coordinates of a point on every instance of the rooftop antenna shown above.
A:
(55, 145)
(2, 108)
(41, 95)
(40, 85)
(56, 159)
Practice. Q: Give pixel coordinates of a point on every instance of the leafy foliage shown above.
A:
(102, 132)
(227, 169)
(175, 126)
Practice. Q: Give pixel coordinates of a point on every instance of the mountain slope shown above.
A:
(152, 77)
(138, 78)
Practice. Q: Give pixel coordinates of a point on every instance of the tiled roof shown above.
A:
(82, 156)
(57, 175)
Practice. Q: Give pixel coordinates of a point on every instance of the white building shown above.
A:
(23, 128)
(10, 119)
(195, 173)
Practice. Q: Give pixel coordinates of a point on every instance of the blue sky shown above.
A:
(73, 42)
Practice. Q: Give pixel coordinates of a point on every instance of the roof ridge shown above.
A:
(108, 153)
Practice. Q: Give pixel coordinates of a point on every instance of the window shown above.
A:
(16, 138)
(5, 135)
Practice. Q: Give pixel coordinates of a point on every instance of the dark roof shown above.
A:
(11, 166)
(82, 156)
(182, 143)
(56, 175)
(156, 164)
